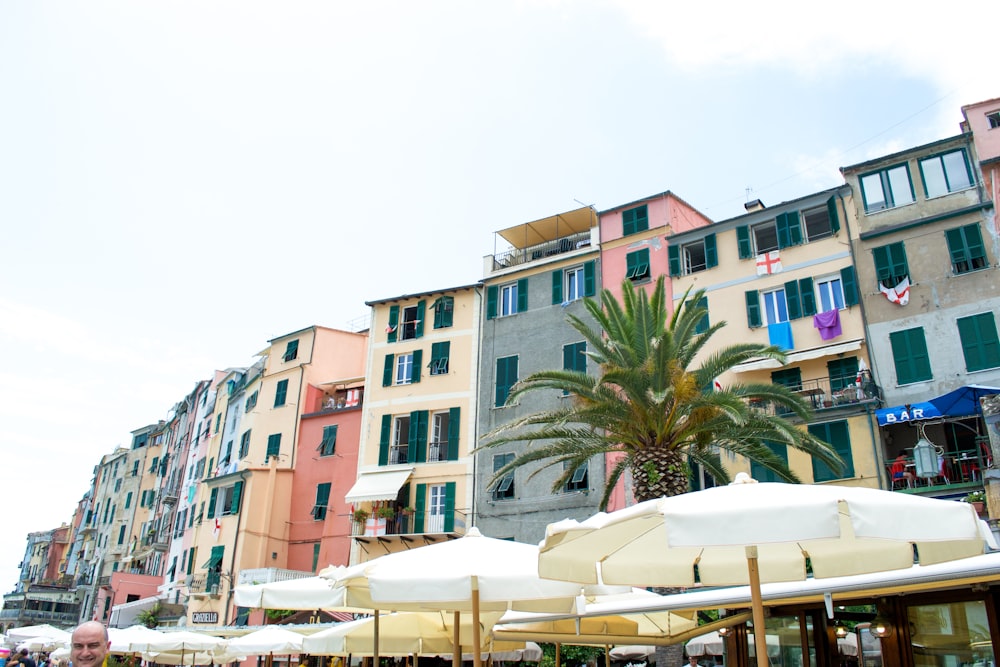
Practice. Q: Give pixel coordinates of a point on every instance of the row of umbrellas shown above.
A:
(741, 534)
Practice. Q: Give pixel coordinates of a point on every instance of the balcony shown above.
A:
(402, 522)
(960, 472)
(516, 256)
(826, 393)
(201, 585)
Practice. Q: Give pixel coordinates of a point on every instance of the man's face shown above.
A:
(89, 647)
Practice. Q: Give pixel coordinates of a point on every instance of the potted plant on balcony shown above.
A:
(361, 515)
(408, 511)
(977, 499)
(385, 512)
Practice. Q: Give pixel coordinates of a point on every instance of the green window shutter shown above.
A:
(421, 314)
(743, 242)
(674, 259)
(831, 211)
(444, 309)
(387, 371)
(794, 228)
(704, 322)
(909, 355)
(781, 227)
(383, 440)
(842, 373)
(393, 324)
(273, 445)
(449, 507)
(974, 242)
(635, 220)
(762, 474)
(418, 361)
(419, 507)
(234, 504)
(792, 299)
(190, 563)
(880, 256)
(454, 424)
(837, 434)
(711, 252)
(980, 344)
(637, 264)
(417, 450)
(522, 295)
(589, 278)
(211, 503)
(492, 293)
(790, 378)
(557, 285)
(808, 297)
(506, 376)
(956, 245)
(280, 395)
(753, 308)
(849, 282)
(890, 263)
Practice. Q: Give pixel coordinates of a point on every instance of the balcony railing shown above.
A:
(516, 256)
(831, 393)
(960, 468)
(404, 523)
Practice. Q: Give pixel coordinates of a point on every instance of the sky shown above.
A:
(182, 181)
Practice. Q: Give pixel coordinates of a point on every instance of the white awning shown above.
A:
(804, 355)
(381, 485)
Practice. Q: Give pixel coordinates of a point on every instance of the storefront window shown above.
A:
(785, 639)
(955, 634)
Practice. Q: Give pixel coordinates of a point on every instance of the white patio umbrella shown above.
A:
(299, 594)
(182, 645)
(44, 642)
(186, 657)
(710, 643)
(469, 575)
(632, 652)
(122, 639)
(269, 640)
(30, 631)
(745, 533)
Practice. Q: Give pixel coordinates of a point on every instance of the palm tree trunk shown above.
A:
(659, 472)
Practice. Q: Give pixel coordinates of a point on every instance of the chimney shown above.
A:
(755, 205)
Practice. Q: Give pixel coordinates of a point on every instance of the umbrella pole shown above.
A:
(557, 654)
(477, 659)
(375, 660)
(757, 608)
(456, 642)
(607, 655)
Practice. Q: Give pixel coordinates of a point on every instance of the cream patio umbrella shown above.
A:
(470, 575)
(24, 633)
(122, 639)
(269, 640)
(307, 593)
(183, 646)
(745, 533)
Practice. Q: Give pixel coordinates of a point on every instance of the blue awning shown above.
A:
(962, 402)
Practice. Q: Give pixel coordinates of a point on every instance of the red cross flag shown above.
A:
(768, 263)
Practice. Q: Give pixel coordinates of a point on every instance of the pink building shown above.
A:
(983, 120)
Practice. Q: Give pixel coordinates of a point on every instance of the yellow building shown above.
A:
(784, 275)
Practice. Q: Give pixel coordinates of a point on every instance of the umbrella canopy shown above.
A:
(122, 639)
(299, 594)
(710, 643)
(183, 640)
(213, 657)
(404, 633)
(271, 639)
(31, 631)
(44, 642)
(632, 652)
(745, 533)
(470, 574)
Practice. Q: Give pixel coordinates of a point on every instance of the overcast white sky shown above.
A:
(182, 181)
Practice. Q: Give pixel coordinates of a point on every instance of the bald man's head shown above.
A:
(90, 645)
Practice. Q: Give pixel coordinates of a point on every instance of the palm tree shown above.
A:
(654, 402)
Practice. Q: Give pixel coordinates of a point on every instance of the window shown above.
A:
(214, 567)
(790, 378)
(579, 481)
(218, 420)
(507, 299)
(693, 257)
(765, 237)
(573, 283)
(890, 264)
(635, 220)
(156, 462)
(775, 306)
(637, 265)
(504, 487)
(836, 434)
(118, 485)
(703, 323)
(505, 378)
(291, 350)
(273, 446)
(413, 322)
(818, 223)
(887, 188)
(322, 500)
(128, 500)
(762, 474)
(909, 355)
(965, 245)
(575, 357)
(328, 443)
(246, 610)
(402, 368)
(438, 448)
(135, 468)
(980, 344)
(831, 293)
(439, 358)
(399, 451)
(843, 373)
(945, 173)
(993, 119)
(280, 392)
(121, 535)
(245, 444)
(225, 500)
(444, 312)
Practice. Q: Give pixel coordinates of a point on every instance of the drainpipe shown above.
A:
(475, 402)
(232, 561)
(877, 449)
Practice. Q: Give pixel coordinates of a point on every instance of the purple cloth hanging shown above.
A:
(828, 324)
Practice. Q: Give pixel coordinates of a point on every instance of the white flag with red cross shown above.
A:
(768, 263)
